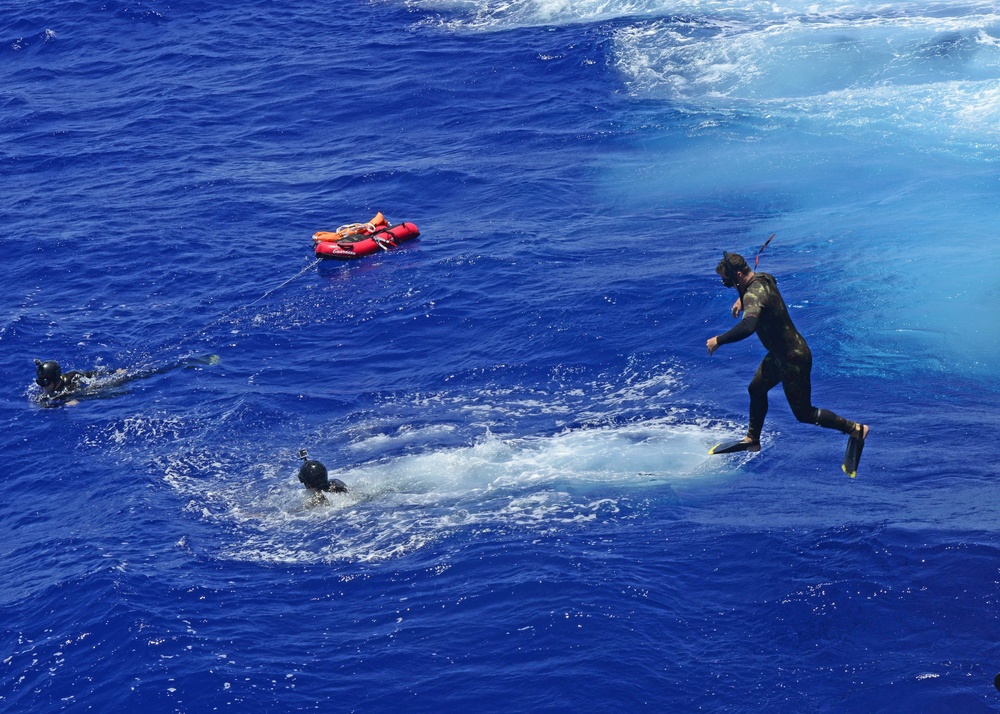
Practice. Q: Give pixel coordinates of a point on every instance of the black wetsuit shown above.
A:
(77, 384)
(97, 382)
(70, 384)
(788, 358)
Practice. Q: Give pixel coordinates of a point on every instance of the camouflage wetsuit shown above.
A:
(788, 358)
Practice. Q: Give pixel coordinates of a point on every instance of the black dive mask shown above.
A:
(47, 374)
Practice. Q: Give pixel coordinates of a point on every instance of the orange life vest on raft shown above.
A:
(360, 239)
(352, 230)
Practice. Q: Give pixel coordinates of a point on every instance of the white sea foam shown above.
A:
(718, 63)
(505, 14)
(380, 442)
(854, 66)
(135, 429)
(398, 505)
(415, 483)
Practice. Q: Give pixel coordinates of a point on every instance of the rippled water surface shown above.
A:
(520, 401)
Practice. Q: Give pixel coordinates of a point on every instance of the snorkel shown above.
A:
(728, 271)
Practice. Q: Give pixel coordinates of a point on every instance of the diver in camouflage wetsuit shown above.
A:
(788, 358)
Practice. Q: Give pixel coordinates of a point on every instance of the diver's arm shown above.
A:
(47, 401)
(737, 307)
(746, 327)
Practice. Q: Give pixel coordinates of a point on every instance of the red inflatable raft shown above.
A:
(360, 239)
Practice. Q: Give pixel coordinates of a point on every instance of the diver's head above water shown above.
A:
(48, 375)
(733, 269)
(313, 476)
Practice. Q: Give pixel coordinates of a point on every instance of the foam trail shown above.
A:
(397, 505)
(620, 454)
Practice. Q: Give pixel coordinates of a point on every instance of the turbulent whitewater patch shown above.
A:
(506, 14)
(852, 67)
(938, 74)
(401, 504)
(415, 481)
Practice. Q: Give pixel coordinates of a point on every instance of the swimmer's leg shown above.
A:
(124, 376)
(798, 389)
(768, 374)
(796, 380)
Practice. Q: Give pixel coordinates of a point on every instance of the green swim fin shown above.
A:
(200, 361)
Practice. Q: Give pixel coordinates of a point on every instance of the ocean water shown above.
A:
(520, 401)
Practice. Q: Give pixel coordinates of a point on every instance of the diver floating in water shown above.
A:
(67, 388)
(60, 388)
(315, 478)
(788, 359)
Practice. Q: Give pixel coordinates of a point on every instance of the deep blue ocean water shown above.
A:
(520, 401)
